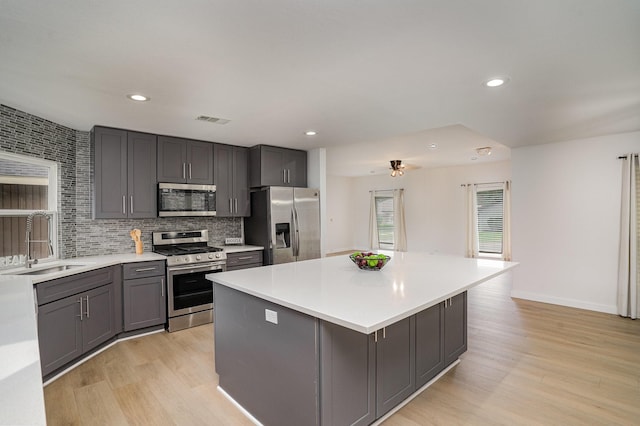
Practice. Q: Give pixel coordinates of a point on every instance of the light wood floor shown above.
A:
(527, 363)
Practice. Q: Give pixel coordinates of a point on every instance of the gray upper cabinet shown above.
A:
(231, 177)
(184, 161)
(124, 178)
(455, 327)
(275, 166)
(395, 364)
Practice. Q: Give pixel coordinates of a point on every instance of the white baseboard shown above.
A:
(572, 303)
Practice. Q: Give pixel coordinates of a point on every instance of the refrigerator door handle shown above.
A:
(294, 233)
(296, 230)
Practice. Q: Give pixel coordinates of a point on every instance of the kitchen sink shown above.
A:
(51, 269)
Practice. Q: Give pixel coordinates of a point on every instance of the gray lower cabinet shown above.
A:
(82, 318)
(59, 333)
(144, 295)
(455, 327)
(244, 260)
(395, 364)
(347, 376)
(362, 377)
(268, 364)
(429, 344)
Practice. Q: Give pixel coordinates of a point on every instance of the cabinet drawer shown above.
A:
(50, 291)
(244, 258)
(143, 269)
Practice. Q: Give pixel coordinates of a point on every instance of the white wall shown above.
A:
(434, 205)
(317, 178)
(566, 215)
(339, 233)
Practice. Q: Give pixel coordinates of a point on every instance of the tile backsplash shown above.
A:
(79, 235)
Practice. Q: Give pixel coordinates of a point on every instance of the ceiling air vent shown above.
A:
(212, 119)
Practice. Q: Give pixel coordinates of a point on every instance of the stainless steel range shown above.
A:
(189, 259)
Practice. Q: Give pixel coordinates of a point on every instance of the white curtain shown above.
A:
(399, 227)
(506, 221)
(628, 283)
(373, 223)
(473, 247)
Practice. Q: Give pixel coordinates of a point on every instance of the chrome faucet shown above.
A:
(28, 261)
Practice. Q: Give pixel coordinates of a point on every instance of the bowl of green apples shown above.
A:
(368, 261)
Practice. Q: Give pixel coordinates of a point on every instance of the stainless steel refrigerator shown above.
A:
(286, 222)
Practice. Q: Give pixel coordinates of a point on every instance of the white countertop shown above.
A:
(335, 290)
(88, 263)
(21, 395)
(239, 248)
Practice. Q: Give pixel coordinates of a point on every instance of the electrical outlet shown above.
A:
(271, 316)
(234, 240)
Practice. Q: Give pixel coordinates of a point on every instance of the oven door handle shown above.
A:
(208, 267)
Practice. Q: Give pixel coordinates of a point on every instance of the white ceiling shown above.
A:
(375, 78)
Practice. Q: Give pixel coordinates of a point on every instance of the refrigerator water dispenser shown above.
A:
(283, 235)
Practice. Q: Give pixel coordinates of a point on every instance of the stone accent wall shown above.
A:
(26, 134)
(79, 235)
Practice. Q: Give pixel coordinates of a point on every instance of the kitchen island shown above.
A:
(322, 342)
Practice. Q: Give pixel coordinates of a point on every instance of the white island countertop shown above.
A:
(335, 290)
(21, 395)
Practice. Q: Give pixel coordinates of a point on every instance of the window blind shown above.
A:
(490, 203)
(384, 215)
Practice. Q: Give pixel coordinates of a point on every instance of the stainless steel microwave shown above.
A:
(179, 199)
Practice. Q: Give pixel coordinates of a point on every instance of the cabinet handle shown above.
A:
(288, 175)
(284, 175)
(80, 301)
(184, 170)
(245, 258)
(124, 206)
(189, 170)
(131, 206)
(87, 306)
(230, 205)
(161, 287)
(375, 336)
(146, 269)
(235, 200)
(384, 333)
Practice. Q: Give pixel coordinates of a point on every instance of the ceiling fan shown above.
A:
(397, 168)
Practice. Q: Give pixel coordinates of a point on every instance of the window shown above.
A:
(26, 185)
(384, 217)
(490, 211)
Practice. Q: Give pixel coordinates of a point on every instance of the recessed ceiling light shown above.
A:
(433, 146)
(310, 133)
(485, 150)
(138, 98)
(496, 82)
(474, 158)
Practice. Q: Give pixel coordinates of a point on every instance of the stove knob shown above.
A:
(210, 256)
(177, 259)
(198, 257)
(186, 259)
(218, 255)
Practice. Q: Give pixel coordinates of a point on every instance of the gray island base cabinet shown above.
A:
(289, 368)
